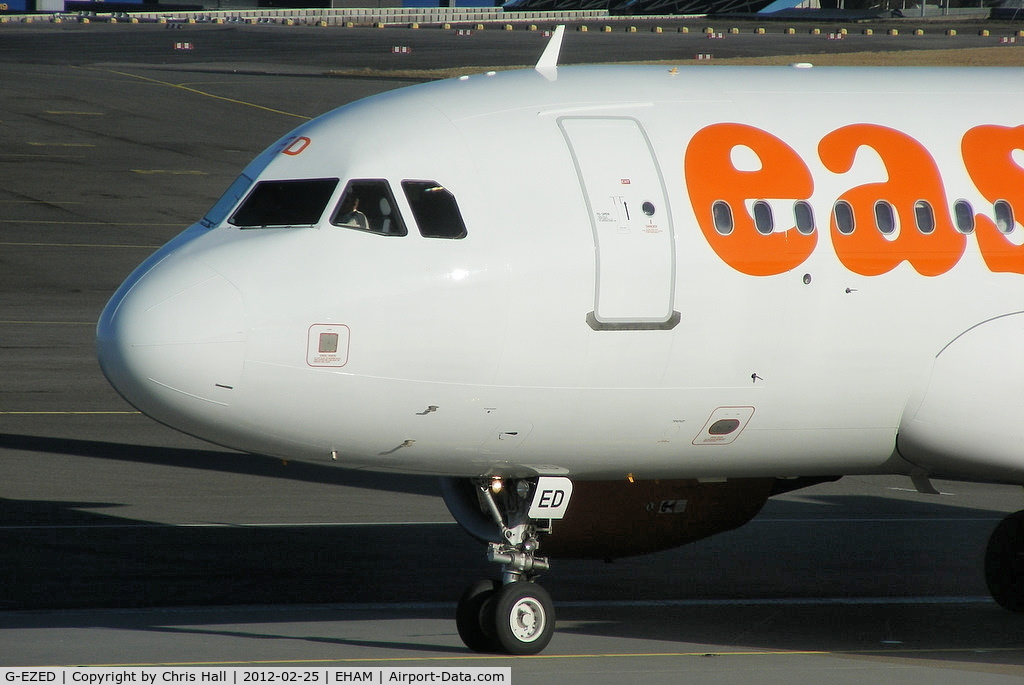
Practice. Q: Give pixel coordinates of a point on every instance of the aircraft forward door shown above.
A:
(629, 214)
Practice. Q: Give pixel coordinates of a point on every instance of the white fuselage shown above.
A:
(592, 322)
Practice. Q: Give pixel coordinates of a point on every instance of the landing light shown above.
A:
(497, 485)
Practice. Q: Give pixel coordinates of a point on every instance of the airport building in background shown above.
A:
(1000, 9)
(664, 7)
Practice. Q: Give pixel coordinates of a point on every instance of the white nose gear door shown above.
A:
(629, 214)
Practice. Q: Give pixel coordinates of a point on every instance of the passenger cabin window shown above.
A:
(885, 217)
(764, 221)
(368, 205)
(1004, 216)
(285, 203)
(843, 212)
(803, 214)
(435, 210)
(964, 213)
(924, 216)
(721, 212)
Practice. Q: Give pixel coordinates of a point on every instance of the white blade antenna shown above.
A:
(548, 62)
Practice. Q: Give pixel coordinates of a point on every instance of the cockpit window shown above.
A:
(368, 205)
(285, 203)
(434, 209)
(227, 201)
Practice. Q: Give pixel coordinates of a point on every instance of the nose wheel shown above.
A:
(524, 617)
(517, 618)
(476, 630)
(513, 615)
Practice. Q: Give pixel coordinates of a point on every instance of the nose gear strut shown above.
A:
(514, 615)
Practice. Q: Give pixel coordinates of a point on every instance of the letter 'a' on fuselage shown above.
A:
(601, 271)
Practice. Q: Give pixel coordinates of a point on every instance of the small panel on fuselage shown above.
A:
(724, 426)
(327, 345)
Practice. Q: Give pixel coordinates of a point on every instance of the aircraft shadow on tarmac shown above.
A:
(223, 460)
(66, 555)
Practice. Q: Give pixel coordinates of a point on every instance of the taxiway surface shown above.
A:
(122, 541)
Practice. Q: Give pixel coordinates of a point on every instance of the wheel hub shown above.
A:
(527, 620)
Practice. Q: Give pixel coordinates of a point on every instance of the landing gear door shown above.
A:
(631, 223)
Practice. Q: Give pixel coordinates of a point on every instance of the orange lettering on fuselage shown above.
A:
(932, 246)
(711, 176)
(988, 156)
(912, 177)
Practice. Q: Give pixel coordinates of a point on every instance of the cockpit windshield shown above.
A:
(285, 203)
(368, 205)
(435, 209)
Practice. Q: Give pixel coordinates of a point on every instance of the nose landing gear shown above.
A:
(513, 615)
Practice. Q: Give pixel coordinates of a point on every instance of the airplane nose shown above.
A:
(172, 342)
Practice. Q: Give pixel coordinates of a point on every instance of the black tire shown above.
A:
(524, 618)
(1004, 563)
(476, 631)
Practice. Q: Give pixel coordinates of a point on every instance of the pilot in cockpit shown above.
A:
(349, 214)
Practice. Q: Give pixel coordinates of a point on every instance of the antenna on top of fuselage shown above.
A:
(547, 65)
